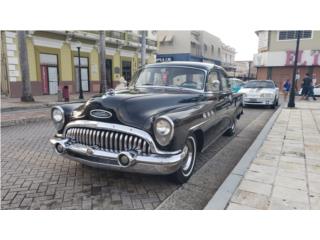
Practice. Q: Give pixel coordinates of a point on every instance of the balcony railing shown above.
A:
(152, 43)
(116, 34)
(133, 38)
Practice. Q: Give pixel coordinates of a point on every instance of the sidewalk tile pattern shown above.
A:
(286, 171)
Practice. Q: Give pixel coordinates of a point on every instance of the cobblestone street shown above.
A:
(34, 177)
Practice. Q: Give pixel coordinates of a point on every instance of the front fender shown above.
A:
(68, 109)
(184, 123)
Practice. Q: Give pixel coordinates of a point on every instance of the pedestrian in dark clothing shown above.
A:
(306, 86)
(311, 91)
(286, 89)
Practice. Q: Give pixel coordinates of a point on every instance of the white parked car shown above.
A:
(260, 92)
(316, 90)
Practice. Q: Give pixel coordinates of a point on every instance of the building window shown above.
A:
(269, 73)
(205, 47)
(195, 49)
(84, 68)
(219, 52)
(49, 73)
(291, 35)
(212, 49)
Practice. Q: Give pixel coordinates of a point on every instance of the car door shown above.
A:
(227, 108)
(212, 109)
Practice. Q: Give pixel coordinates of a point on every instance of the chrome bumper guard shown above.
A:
(158, 162)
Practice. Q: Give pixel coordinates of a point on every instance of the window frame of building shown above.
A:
(205, 47)
(269, 73)
(212, 49)
(76, 71)
(294, 37)
(46, 86)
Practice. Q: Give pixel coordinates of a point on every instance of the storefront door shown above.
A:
(126, 70)
(49, 73)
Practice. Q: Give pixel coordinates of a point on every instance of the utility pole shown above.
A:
(143, 48)
(24, 64)
(102, 55)
(291, 103)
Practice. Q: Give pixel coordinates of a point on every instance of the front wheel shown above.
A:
(275, 104)
(187, 167)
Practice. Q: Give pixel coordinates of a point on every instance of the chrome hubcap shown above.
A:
(188, 165)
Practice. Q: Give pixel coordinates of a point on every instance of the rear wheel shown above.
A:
(187, 167)
(232, 130)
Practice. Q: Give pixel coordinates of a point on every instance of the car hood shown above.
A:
(256, 91)
(137, 107)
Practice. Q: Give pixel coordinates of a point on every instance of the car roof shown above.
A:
(202, 65)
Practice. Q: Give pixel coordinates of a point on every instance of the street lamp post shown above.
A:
(249, 70)
(79, 69)
(291, 103)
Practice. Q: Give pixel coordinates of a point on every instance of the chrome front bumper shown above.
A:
(161, 164)
(260, 101)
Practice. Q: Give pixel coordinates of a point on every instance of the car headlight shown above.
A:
(163, 130)
(57, 116)
(244, 95)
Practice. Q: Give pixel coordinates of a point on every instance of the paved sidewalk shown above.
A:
(13, 111)
(285, 174)
(10, 104)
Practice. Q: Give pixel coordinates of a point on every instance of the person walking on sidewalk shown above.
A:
(313, 84)
(286, 89)
(306, 85)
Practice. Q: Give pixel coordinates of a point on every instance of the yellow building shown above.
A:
(53, 59)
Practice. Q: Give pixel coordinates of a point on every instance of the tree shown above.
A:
(102, 56)
(24, 65)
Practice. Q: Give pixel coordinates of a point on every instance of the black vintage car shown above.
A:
(168, 114)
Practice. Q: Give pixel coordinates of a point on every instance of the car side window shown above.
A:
(213, 83)
(224, 81)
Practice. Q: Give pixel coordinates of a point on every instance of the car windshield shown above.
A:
(180, 77)
(259, 84)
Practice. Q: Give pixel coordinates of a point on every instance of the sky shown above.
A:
(245, 47)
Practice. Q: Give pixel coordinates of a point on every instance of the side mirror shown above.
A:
(213, 86)
(216, 86)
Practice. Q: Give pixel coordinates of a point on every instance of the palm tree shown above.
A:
(24, 64)
(102, 56)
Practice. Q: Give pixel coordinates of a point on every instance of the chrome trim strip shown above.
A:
(120, 142)
(125, 142)
(106, 145)
(120, 128)
(116, 142)
(139, 144)
(111, 141)
(135, 139)
(130, 143)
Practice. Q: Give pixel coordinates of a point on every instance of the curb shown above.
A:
(39, 106)
(23, 121)
(221, 198)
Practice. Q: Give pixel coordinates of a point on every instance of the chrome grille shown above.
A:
(108, 140)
